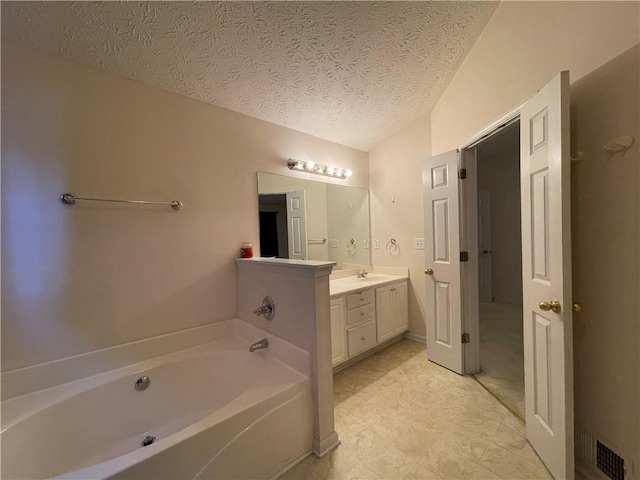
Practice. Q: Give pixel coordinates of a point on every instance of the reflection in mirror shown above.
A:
(311, 220)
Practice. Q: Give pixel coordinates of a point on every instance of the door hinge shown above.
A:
(462, 173)
(464, 256)
(465, 338)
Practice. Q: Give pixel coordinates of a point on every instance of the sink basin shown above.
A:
(372, 277)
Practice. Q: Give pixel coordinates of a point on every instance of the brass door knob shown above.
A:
(553, 305)
(577, 307)
(429, 271)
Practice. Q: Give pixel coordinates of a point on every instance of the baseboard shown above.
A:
(320, 449)
(415, 337)
(365, 354)
(293, 464)
(586, 471)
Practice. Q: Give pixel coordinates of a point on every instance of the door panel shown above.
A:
(546, 273)
(297, 224)
(442, 256)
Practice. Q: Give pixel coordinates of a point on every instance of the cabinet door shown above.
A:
(385, 312)
(338, 331)
(401, 318)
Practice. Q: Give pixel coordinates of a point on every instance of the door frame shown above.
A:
(469, 226)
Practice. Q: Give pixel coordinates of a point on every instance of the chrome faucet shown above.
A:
(268, 309)
(264, 343)
(362, 274)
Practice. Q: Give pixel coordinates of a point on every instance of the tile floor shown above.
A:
(402, 417)
(502, 353)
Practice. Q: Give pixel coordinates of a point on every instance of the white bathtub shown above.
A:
(216, 410)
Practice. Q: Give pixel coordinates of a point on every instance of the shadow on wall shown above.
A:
(605, 246)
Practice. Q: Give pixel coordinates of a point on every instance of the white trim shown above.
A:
(320, 449)
(493, 126)
(587, 471)
(415, 337)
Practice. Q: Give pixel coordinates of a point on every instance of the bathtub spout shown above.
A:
(264, 343)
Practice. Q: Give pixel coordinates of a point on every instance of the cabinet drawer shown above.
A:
(359, 299)
(361, 315)
(361, 338)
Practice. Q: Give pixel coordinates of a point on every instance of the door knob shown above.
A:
(577, 307)
(553, 305)
(429, 271)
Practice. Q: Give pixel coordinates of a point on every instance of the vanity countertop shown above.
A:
(374, 279)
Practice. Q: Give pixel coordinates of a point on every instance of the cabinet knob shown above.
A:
(362, 314)
(363, 339)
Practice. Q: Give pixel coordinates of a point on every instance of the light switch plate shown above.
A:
(366, 243)
(418, 243)
(376, 243)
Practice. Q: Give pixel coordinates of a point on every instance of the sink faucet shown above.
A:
(264, 343)
(362, 274)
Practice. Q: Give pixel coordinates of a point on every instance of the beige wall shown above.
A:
(606, 237)
(80, 278)
(524, 45)
(397, 211)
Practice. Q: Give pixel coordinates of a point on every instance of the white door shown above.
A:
(338, 330)
(485, 291)
(297, 224)
(546, 272)
(401, 308)
(442, 261)
(385, 312)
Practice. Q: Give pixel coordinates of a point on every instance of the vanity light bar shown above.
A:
(313, 167)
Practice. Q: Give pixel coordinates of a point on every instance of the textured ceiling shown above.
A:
(350, 72)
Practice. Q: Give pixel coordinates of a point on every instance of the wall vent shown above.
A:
(609, 462)
(591, 451)
(585, 445)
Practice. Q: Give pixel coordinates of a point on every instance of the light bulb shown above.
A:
(338, 172)
(310, 165)
(330, 170)
(348, 173)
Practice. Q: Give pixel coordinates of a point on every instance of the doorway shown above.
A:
(501, 346)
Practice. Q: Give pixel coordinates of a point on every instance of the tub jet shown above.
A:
(149, 439)
(142, 383)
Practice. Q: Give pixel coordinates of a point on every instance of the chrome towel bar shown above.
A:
(71, 199)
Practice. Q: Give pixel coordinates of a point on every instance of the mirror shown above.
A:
(312, 220)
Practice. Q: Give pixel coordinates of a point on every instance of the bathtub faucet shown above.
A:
(264, 343)
(268, 309)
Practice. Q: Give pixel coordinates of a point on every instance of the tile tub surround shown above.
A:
(400, 416)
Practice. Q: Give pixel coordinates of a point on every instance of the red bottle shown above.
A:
(246, 251)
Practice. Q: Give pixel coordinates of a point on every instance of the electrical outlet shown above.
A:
(418, 243)
(376, 243)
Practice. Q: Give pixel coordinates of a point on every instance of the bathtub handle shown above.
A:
(268, 309)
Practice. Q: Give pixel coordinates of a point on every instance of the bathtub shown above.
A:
(216, 411)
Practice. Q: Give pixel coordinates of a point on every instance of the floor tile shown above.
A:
(400, 416)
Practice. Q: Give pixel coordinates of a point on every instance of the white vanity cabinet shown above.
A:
(338, 333)
(363, 317)
(391, 311)
(361, 322)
